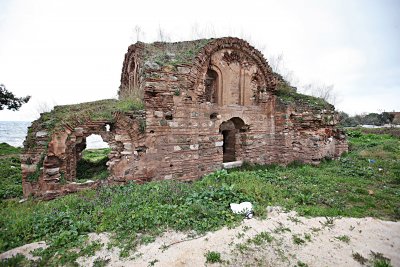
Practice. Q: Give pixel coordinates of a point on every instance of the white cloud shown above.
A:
(72, 51)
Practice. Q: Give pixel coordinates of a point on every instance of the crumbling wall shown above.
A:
(205, 102)
(49, 160)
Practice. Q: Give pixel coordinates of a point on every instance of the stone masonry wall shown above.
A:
(218, 105)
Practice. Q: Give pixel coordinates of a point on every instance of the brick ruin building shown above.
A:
(206, 103)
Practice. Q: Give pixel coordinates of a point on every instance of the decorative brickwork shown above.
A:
(206, 102)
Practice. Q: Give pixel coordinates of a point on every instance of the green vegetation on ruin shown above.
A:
(173, 54)
(363, 182)
(288, 95)
(74, 115)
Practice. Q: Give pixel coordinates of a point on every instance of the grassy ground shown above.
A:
(93, 166)
(365, 182)
(10, 172)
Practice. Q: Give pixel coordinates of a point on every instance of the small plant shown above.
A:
(242, 247)
(301, 264)
(381, 263)
(359, 258)
(142, 125)
(307, 237)
(315, 229)
(343, 238)
(240, 235)
(62, 178)
(378, 260)
(213, 257)
(298, 240)
(281, 229)
(153, 262)
(329, 222)
(295, 219)
(99, 262)
(260, 238)
(177, 92)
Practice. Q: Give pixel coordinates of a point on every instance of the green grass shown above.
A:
(10, 172)
(343, 238)
(364, 182)
(77, 114)
(213, 257)
(173, 54)
(93, 166)
(6, 150)
(288, 95)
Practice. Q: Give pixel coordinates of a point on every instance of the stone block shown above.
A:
(221, 143)
(52, 171)
(41, 134)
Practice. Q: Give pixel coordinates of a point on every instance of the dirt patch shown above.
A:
(320, 242)
(283, 239)
(24, 250)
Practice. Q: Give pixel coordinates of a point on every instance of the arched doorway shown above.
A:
(229, 130)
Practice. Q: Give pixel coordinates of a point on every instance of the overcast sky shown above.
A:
(64, 52)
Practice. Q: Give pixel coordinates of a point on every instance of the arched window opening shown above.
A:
(211, 84)
(92, 157)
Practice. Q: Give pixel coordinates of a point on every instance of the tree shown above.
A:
(9, 100)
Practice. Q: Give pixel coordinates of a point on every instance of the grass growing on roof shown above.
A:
(81, 113)
(288, 95)
(174, 53)
(364, 182)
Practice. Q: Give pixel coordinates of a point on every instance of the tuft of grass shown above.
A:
(213, 257)
(288, 95)
(100, 262)
(261, 238)
(378, 260)
(173, 54)
(343, 238)
(301, 264)
(359, 258)
(298, 240)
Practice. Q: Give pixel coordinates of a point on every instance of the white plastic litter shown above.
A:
(245, 208)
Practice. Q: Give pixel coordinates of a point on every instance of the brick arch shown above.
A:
(202, 61)
(131, 61)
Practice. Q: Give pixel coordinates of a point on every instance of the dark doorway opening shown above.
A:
(229, 130)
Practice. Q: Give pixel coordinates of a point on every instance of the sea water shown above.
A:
(14, 133)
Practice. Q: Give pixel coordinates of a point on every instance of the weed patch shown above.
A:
(213, 257)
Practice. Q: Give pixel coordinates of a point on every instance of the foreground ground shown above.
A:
(363, 183)
(284, 239)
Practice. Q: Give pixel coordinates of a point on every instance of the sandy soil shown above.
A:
(319, 245)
